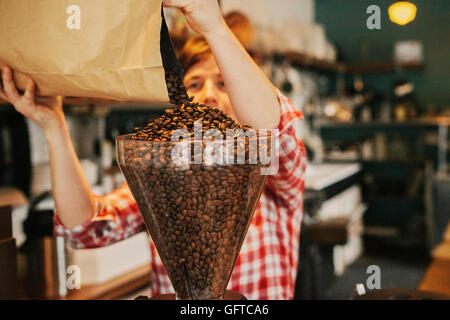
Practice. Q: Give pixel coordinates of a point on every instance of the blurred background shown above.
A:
(372, 79)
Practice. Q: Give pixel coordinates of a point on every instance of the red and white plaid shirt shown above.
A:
(266, 268)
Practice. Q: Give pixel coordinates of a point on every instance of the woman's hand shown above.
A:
(203, 16)
(74, 200)
(46, 112)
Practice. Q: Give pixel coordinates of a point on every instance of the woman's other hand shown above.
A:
(203, 16)
(46, 112)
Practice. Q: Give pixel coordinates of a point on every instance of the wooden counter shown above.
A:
(114, 289)
(437, 276)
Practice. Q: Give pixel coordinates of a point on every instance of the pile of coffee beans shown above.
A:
(183, 117)
(198, 214)
(197, 219)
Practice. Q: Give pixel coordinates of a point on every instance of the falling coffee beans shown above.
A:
(176, 89)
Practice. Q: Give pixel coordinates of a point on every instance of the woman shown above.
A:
(219, 73)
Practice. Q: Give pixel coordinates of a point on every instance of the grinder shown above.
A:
(197, 213)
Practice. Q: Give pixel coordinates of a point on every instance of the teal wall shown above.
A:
(345, 25)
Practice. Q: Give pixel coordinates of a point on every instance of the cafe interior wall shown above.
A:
(272, 14)
(345, 25)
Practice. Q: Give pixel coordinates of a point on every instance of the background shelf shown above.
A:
(303, 60)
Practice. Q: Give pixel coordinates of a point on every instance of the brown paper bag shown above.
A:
(108, 49)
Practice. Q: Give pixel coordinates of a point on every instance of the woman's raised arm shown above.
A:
(253, 97)
(74, 200)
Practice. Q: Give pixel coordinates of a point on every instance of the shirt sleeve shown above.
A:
(287, 182)
(116, 217)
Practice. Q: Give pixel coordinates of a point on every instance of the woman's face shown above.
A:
(205, 83)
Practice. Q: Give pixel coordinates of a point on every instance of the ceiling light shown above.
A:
(402, 12)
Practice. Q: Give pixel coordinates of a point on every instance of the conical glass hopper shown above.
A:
(197, 213)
